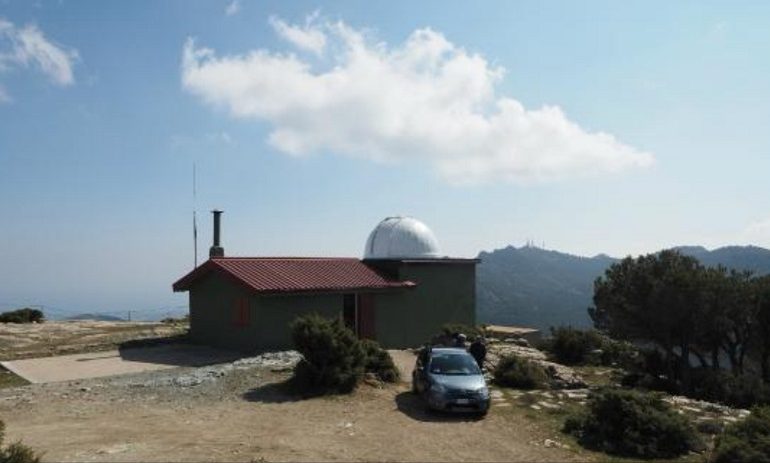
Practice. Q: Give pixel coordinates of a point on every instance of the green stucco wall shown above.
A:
(213, 303)
(445, 293)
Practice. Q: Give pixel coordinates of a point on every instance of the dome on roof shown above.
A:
(401, 238)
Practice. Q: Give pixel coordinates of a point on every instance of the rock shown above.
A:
(575, 394)
(521, 342)
(548, 405)
(187, 381)
(372, 380)
(550, 443)
(85, 389)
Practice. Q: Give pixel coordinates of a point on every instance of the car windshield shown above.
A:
(453, 364)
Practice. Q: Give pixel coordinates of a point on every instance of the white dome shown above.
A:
(401, 238)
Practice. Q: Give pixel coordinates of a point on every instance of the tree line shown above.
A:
(692, 316)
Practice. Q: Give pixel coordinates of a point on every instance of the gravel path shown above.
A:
(239, 411)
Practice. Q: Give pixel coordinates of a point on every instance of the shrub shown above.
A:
(617, 353)
(25, 315)
(333, 359)
(649, 382)
(747, 440)
(16, 452)
(571, 346)
(379, 362)
(633, 424)
(742, 391)
(520, 373)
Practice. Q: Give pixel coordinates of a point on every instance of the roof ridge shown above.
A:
(284, 258)
(297, 274)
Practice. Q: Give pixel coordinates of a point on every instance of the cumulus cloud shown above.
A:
(425, 100)
(27, 47)
(308, 37)
(233, 8)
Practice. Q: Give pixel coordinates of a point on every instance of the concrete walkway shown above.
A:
(117, 362)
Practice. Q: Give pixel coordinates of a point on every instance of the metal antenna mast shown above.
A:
(195, 220)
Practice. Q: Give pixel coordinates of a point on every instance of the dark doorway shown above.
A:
(358, 314)
(365, 317)
(349, 315)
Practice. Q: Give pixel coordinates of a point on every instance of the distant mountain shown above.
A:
(541, 288)
(751, 258)
(97, 317)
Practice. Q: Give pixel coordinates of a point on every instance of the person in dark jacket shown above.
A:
(478, 351)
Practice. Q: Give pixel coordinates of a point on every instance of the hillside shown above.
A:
(541, 288)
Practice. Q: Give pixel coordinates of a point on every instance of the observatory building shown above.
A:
(399, 294)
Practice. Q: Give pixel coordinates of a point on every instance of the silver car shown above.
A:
(448, 378)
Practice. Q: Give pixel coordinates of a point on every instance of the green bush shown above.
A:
(379, 362)
(633, 424)
(572, 346)
(617, 353)
(25, 315)
(333, 358)
(16, 452)
(742, 391)
(747, 440)
(519, 373)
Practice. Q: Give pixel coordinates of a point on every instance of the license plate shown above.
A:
(463, 401)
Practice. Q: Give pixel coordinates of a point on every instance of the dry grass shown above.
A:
(9, 379)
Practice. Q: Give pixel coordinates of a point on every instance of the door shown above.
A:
(365, 315)
(349, 315)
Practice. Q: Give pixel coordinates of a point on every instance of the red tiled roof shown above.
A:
(294, 274)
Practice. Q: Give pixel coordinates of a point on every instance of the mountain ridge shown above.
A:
(538, 287)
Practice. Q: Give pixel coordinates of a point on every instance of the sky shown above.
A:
(586, 127)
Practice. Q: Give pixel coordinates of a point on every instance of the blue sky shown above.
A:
(309, 122)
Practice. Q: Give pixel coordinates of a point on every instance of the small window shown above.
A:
(241, 315)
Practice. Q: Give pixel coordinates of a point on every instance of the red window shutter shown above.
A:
(241, 312)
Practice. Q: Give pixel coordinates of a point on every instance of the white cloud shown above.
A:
(308, 37)
(426, 100)
(4, 97)
(27, 47)
(233, 8)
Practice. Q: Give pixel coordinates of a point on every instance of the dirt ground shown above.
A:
(248, 415)
(29, 340)
(115, 362)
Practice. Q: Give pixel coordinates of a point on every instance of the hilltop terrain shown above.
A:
(69, 337)
(240, 411)
(531, 286)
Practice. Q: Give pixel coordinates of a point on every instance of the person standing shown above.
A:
(478, 351)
